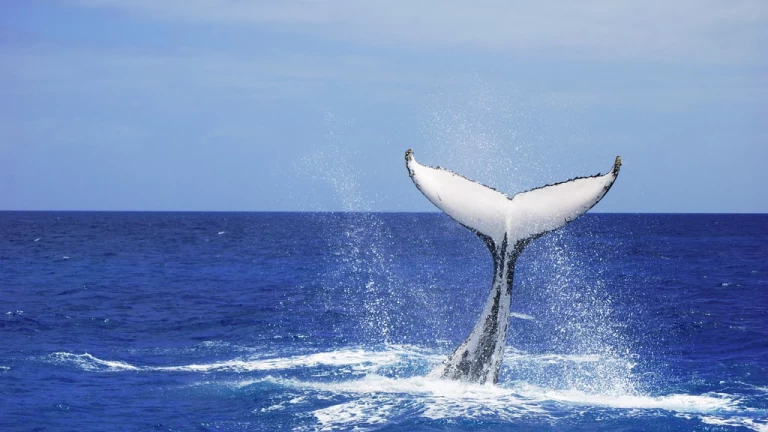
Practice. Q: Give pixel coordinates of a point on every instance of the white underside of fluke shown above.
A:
(493, 214)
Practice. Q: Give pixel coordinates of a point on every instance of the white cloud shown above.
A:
(681, 30)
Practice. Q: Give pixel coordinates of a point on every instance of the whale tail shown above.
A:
(493, 215)
(507, 226)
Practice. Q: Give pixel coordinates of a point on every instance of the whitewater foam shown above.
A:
(90, 363)
(369, 397)
(759, 426)
(359, 359)
(355, 359)
(377, 398)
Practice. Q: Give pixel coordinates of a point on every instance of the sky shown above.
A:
(286, 105)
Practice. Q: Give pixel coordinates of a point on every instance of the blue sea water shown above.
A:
(331, 321)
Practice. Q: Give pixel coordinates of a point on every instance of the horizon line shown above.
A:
(353, 212)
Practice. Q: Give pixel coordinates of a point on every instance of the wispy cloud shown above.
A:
(285, 76)
(678, 31)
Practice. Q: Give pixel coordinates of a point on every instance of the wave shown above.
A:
(375, 399)
(735, 422)
(90, 363)
(359, 358)
(360, 381)
(356, 359)
(506, 396)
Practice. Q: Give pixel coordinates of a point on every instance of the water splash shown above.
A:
(496, 137)
(577, 317)
(488, 133)
(359, 261)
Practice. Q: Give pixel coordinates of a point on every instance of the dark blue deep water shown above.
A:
(300, 321)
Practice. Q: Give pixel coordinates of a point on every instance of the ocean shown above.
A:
(331, 321)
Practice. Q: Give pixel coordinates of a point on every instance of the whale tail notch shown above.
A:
(493, 215)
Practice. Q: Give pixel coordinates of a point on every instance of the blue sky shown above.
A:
(310, 105)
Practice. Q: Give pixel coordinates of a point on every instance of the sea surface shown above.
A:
(331, 321)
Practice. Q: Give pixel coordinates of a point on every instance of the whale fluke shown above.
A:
(506, 225)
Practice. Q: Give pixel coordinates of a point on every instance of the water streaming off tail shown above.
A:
(575, 315)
